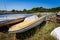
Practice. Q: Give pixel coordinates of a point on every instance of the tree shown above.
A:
(24, 10)
(13, 10)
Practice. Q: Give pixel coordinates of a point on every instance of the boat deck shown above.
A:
(24, 24)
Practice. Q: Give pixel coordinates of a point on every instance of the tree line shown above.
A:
(37, 9)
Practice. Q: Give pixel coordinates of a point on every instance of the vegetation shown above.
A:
(40, 32)
(41, 9)
(34, 10)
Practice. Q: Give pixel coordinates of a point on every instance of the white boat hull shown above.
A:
(29, 27)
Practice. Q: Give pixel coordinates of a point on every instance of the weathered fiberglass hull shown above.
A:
(29, 26)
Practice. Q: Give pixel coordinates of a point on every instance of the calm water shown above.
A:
(5, 17)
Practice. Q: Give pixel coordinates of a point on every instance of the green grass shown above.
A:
(43, 32)
(40, 32)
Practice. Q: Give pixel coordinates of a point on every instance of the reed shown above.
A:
(40, 32)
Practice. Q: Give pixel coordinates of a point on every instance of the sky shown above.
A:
(27, 4)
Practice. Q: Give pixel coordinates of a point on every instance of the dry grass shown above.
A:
(40, 32)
